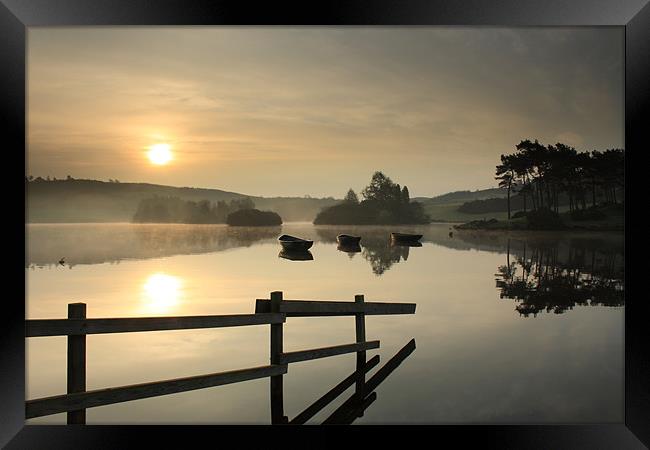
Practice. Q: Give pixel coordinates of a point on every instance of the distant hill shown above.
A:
(445, 208)
(463, 196)
(98, 201)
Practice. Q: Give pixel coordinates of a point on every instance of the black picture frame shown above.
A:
(17, 15)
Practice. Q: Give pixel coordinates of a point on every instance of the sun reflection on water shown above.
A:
(161, 293)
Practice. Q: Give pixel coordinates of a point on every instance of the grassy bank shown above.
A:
(448, 212)
(609, 218)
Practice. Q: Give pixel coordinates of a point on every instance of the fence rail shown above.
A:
(101, 397)
(271, 312)
(67, 327)
(308, 308)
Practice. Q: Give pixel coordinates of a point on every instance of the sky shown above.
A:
(294, 111)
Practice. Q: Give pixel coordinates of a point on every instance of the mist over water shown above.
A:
(510, 328)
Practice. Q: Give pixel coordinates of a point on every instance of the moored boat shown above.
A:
(292, 243)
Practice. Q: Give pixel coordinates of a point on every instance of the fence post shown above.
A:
(76, 362)
(277, 404)
(360, 326)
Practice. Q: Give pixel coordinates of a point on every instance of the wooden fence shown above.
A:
(272, 311)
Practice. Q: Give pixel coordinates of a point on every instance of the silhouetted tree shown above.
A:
(380, 189)
(506, 176)
(406, 199)
(351, 197)
(546, 173)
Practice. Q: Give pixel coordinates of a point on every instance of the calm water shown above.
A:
(510, 328)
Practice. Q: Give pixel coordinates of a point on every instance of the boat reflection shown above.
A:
(406, 244)
(349, 248)
(296, 255)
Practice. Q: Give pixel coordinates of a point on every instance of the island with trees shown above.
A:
(383, 203)
(253, 218)
(556, 187)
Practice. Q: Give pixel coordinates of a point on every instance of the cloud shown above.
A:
(449, 100)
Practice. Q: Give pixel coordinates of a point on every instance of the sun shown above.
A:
(160, 154)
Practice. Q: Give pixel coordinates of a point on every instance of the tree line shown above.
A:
(164, 209)
(31, 178)
(543, 174)
(384, 202)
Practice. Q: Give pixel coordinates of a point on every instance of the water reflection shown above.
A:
(354, 406)
(406, 244)
(376, 246)
(161, 293)
(296, 255)
(349, 248)
(110, 243)
(552, 277)
(461, 318)
(382, 255)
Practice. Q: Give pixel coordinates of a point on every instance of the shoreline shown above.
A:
(457, 226)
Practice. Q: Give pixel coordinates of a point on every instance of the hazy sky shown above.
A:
(315, 110)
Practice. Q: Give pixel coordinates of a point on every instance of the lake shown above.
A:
(510, 327)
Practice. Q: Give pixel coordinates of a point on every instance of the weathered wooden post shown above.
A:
(277, 403)
(77, 362)
(360, 326)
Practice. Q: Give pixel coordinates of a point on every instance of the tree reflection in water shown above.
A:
(556, 277)
(383, 254)
(376, 246)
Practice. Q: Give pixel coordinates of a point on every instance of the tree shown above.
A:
(406, 199)
(351, 197)
(506, 174)
(546, 173)
(380, 188)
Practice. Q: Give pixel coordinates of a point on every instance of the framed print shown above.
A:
(390, 213)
